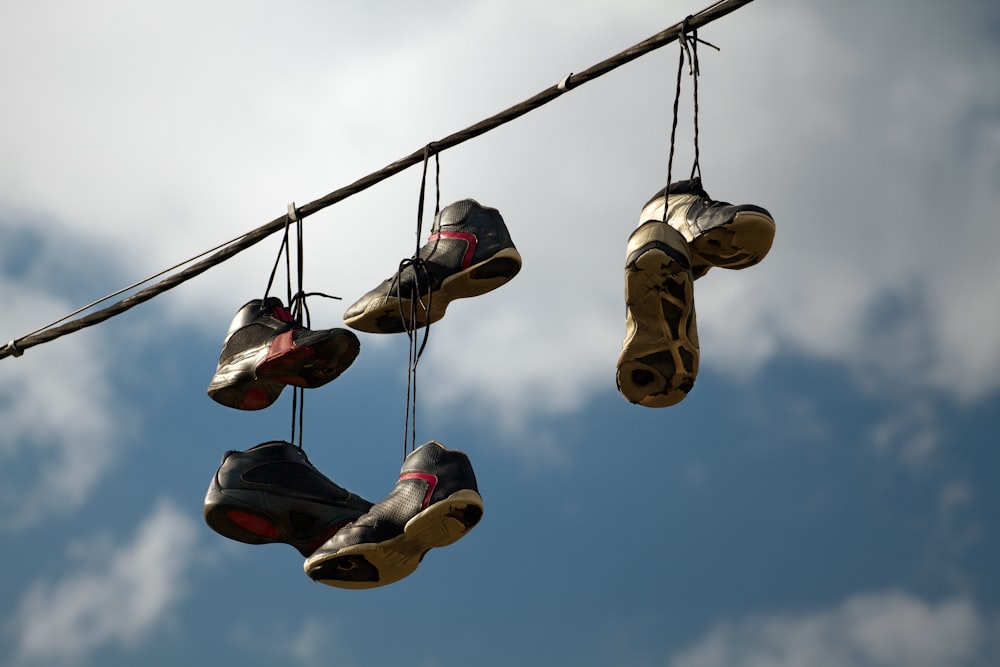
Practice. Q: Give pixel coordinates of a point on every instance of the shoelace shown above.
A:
(410, 322)
(297, 307)
(689, 52)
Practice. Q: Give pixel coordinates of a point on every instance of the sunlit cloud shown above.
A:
(882, 260)
(891, 629)
(117, 597)
(911, 434)
(305, 642)
(958, 530)
(59, 436)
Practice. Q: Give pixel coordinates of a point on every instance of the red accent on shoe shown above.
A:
(255, 398)
(431, 484)
(254, 524)
(282, 313)
(464, 236)
(281, 344)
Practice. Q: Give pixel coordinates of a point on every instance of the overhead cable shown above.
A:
(225, 251)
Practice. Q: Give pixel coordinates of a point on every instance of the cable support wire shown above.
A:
(225, 251)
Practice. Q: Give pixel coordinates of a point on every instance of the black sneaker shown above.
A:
(435, 502)
(271, 493)
(266, 348)
(718, 233)
(469, 252)
(659, 359)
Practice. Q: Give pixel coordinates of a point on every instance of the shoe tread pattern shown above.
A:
(659, 360)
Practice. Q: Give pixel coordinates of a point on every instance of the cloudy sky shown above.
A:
(826, 495)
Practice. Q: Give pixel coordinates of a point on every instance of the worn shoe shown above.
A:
(271, 493)
(718, 233)
(659, 359)
(469, 252)
(435, 502)
(266, 348)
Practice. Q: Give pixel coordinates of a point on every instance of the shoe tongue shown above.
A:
(278, 310)
(256, 309)
(274, 447)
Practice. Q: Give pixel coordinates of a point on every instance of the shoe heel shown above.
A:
(477, 280)
(237, 520)
(739, 244)
(446, 521)
(246, 395)
(503, 266)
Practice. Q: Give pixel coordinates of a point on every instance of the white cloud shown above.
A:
(315, 640)
(582, 356)
(59, 435)
(890, 629)
(957, 530)
(884, 200)
(115, 599)
(312, 643)
(912, 433)
(958, 527)
(309, 641)
(953, 497)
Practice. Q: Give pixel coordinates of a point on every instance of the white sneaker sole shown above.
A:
(659, 359)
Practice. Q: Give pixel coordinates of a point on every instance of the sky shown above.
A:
(826, 494)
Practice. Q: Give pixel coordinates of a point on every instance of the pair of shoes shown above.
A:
(658, 363)
(271, 494)
(266, 348)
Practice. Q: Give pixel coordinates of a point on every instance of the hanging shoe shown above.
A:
(435, 502)
(469, 252)
(659, 359)
(266, 348)
(718, 233)
(271, 493)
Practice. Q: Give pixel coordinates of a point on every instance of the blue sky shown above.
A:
(825, 496)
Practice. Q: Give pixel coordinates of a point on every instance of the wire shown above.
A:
(225, 251)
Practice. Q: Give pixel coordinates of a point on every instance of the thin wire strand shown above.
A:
(229, 249)
(130, 287)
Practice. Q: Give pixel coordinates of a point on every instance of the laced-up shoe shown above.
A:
(469, 252)
(659, 359)
(271, 493)
(718, 233)
(266, 348)
(435, 502)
